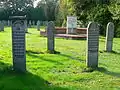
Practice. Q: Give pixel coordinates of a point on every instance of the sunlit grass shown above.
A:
(58, 71)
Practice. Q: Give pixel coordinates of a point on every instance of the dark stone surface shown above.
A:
(18, 45)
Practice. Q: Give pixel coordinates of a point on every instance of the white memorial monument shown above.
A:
(71, 24)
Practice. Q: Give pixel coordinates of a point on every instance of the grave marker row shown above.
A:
(93, 42)
(19, 50)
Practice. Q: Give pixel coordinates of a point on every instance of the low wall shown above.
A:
(63, 30)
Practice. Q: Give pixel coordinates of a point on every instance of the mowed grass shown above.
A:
(58, 71)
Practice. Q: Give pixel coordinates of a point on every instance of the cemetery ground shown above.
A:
(63, 71)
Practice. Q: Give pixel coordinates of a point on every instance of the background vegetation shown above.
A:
(101, 11)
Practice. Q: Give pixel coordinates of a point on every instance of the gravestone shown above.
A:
(109, 36)
(38, 25)
(50, 36)
(18, 43)
(33, 23)
(92, 45)
(30, 23)
(8, 23)
(71, 24)
(1, 26)
(26, 28)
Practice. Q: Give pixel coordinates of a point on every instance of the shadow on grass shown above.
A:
(104, 70)
(71, 57)
(33, 55)
(34, 52)
(114, 52)
(10, 80)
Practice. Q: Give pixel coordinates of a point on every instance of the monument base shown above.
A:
(71, 31)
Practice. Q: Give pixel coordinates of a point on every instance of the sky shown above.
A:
(35, 3)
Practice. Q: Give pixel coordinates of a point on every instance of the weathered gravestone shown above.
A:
(71, 25)
(1, 26)
(18, 43)
(26, 28)
(30, 23)
(38, 25)
(8, 23)
(33, 23)
(92, 45)
(109, 36)
(50, 36)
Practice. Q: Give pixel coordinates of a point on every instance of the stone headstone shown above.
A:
(109, 36)
(50, 36)
(1, 26)
(92, 45)
(30, 23)
(26, 28)
(33, 23)
(38, 25)
(71, 25)
(8, 23)
(18, 43)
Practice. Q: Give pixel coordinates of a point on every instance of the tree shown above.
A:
(49, 7)
(65, 9)
(16, 6)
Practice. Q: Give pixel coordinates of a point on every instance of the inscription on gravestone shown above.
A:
(50, 36)
(92, 45)
(109, 36)
(18, 43)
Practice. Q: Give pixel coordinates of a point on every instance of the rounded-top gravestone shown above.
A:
(50, 36)
(92, 45)
(38, 25)
(18, 43)
(109, 36)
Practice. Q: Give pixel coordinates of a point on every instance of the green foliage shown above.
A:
(35, 14)
(45, 9)
(49, 7)
(65, 9)
(3, 14)
(101, 11)
(100, 14)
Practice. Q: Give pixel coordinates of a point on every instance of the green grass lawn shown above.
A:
(58, 71)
